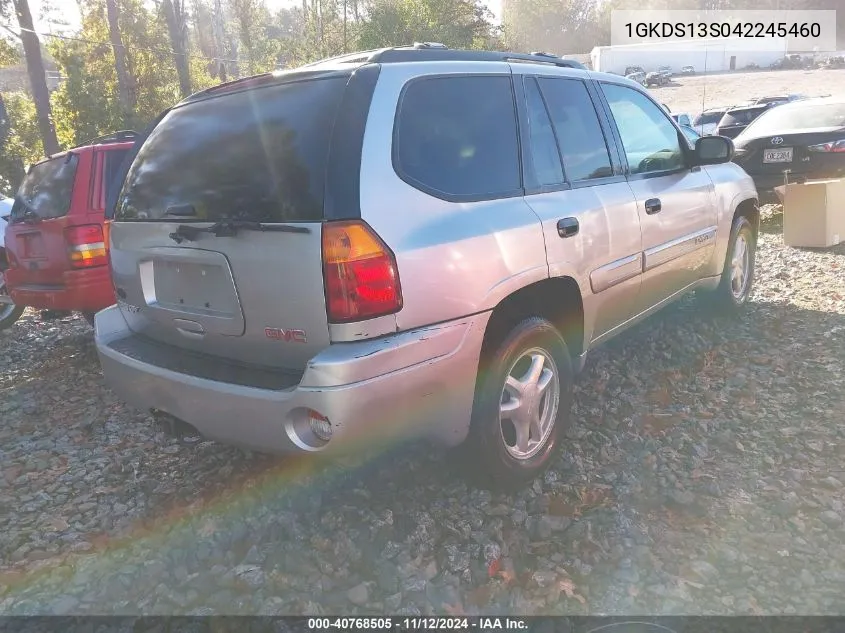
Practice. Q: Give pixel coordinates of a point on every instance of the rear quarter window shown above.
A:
(47, 189)
(259, 155)
(456, 137)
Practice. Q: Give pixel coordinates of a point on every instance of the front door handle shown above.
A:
(567, 227)
(652, 206)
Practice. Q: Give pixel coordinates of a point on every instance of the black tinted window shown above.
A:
(544, 151)
(113, 160)
(46, 190)
(740, 117)
(578, 130)
(457, 135)
(259, 154)
(708, 118)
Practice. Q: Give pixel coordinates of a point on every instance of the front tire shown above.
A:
(738, 273)
(522, 406)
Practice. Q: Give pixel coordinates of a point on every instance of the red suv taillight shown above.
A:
(86, 246)
(360, 273)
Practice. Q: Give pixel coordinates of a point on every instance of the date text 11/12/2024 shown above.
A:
(418, 624)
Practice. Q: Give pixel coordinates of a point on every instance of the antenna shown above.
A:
(704, 82)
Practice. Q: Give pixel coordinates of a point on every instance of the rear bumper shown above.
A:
(75, 290)
(414, 384)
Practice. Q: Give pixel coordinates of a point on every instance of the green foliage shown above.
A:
(9, 53)
(244, 32)
(22, 147)
(455, 23)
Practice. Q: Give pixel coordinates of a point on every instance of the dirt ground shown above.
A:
(686, 94)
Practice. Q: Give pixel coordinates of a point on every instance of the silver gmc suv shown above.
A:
(413, 241)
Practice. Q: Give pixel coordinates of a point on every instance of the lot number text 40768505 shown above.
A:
(418, 624)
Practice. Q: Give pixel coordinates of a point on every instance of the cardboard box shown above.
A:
(813, 212)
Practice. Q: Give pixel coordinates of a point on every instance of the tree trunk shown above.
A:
(123, 93)
(219, 32)
(37, 78)
(177, 27)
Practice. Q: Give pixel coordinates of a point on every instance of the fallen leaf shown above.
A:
(494, 567)
(507, 575)
(561, 508)
(568, 588)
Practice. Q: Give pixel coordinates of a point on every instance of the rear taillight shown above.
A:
(833, 147)
(360, 273)
(86, 246)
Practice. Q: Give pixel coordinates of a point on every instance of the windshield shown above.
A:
(798, 118)
(256, 155)
(46, 190)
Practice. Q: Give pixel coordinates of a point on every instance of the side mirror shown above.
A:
(712, 150)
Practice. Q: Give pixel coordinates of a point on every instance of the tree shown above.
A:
(37, 78)
(177, 27)
(123, 93)
(252, 19)
(20, 139)
(455, 23)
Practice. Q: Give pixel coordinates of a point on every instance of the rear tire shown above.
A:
(9, 314)
(522, 407)
(737, 279)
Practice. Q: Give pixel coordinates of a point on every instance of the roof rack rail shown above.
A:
(432, 51)
(114, 137)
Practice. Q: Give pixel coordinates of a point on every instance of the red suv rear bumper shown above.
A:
(76, 290)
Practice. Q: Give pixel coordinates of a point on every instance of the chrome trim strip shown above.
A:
(664, 253)
(616, 272)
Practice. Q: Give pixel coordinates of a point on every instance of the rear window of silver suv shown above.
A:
(257, 154)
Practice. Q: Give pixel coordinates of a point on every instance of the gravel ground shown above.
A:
(703, 475)
(687, 94)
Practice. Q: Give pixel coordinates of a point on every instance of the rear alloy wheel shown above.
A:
(9, 312)
(522, 406)
(738, 274)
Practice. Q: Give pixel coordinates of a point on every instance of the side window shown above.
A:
(544, 151)
(458, 136)
(650, 140)
(579, 133)
(113, 159)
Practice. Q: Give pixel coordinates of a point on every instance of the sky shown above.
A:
(70, 11)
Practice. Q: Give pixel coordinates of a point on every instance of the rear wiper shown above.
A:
(229, 227)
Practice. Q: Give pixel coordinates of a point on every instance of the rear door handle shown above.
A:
(567, 227)
(652, 206)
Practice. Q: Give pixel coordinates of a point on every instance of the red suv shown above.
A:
(57, 237)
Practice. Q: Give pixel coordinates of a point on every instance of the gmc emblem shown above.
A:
(288, 336)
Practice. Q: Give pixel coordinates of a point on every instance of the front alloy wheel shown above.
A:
(738, 273)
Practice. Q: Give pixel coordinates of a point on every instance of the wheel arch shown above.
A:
(556, 299)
